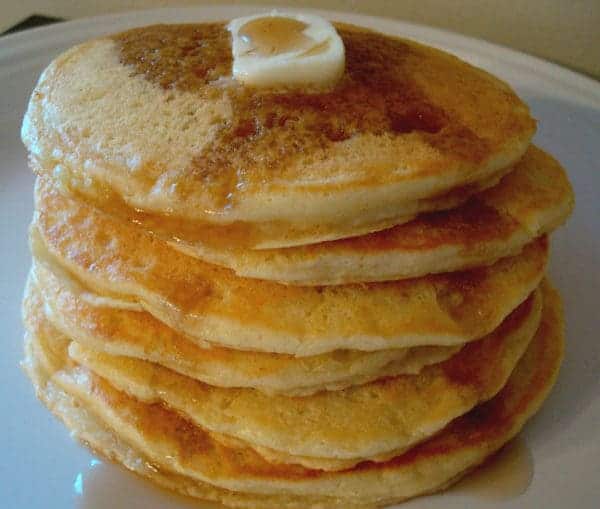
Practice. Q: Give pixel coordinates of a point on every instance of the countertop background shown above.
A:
(565, 32)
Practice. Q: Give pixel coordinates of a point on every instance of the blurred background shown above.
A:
(565, 32)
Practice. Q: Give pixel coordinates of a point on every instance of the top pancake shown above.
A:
(151, 120)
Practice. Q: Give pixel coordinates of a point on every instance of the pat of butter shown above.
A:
(286, 49)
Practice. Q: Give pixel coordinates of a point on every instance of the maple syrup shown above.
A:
(275, 35)
(505, 476)
(103, 485)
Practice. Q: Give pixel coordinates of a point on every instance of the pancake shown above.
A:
(532, 200)
(150, 121)
(75, 312)
(93, 433)
(383, 417)
(211, 303)
(172, 444)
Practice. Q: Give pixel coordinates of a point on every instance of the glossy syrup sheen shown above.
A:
(376, 95)
(241, 234)
(100, 482)
(505, 476)
(273, 35)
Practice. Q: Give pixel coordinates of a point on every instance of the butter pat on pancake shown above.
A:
(152, 116)
(286, 49)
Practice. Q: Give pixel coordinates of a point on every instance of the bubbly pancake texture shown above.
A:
(211, 303)
(125, 332)
(153, 117)
(383, 417)
(122, 428)
(532, 200)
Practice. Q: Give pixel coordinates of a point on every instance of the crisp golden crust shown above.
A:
(83, 317)
(153, 115)
(173, 445)
(532, 200)
(43, 359)
(385, 417)
(208, 302)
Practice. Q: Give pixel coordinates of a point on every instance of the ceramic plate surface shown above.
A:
(41, 467)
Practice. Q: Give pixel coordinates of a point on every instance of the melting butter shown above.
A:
(274, 35)
(286, 50)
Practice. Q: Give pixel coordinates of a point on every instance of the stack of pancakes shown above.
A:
(288, 298)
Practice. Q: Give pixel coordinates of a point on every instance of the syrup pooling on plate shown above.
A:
(505, 476)
(101, 484)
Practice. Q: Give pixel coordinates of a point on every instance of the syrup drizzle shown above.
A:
(271, 129)
(275, 35)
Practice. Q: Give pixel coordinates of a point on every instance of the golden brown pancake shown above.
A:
(532, 200)
(383, 417)
(319, 297)
(149, 124)
(84, 317)
(211, 303)
(173, 444)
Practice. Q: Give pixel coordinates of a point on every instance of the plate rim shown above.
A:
(31, 39)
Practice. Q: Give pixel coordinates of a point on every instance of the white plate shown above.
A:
(41, 467)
